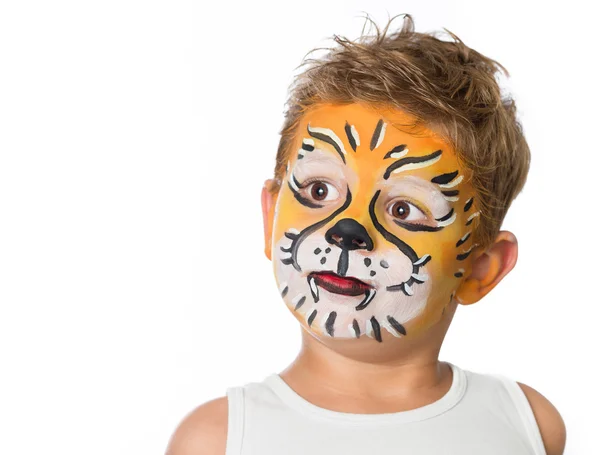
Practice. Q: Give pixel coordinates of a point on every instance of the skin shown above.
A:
(394, 371)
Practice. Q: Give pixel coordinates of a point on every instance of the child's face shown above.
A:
(371, 228)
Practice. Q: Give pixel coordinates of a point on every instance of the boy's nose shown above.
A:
(349, 234)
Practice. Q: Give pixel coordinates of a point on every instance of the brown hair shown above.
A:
(445, 85)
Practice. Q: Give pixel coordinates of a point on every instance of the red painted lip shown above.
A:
(337, 284)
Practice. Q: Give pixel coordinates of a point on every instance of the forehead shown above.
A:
(373, 139)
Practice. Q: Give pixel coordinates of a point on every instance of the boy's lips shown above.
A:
(337, 284)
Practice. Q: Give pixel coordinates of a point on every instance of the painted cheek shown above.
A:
(290, 215)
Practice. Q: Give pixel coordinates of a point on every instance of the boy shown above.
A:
(397, 163)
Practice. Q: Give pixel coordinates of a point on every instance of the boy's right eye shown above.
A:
(320, 191)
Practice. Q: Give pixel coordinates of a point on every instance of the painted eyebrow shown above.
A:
(412, 162)
(328, 136)
(444, 179)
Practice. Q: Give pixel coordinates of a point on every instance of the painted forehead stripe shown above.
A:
(352, 136)
(378, 135)
(411, 162)
(328, 136)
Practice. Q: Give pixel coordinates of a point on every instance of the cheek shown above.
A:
(290, 215)
(443, 250)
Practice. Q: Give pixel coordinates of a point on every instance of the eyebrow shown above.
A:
(412, 162)
(328, 136)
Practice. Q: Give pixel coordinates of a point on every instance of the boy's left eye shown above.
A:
(406, 211)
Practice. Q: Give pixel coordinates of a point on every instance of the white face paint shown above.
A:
(396, 294)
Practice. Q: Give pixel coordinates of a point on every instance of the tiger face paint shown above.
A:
(372, 225)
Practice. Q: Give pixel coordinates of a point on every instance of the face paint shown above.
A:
(372, 225)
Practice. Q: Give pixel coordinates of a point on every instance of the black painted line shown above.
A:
(311, 318)
(300, 302)
(330, 322)
(396, 325)
(463, 240)
(348, 130)
(402, 246)
(450, 193)
(463, 256)
(396, 149)
(356, 328)
(468, 204)
(446, 216)
(376, 329)
(417, 227)
(444, 178)
(376, 133)
(305, 202)
(329, 140)
(410, 160)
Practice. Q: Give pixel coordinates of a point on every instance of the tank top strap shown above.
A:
(235, 420)
(523, 408)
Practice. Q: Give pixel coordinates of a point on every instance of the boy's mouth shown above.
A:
(337, 284)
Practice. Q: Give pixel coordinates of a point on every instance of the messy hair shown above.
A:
(445, 86)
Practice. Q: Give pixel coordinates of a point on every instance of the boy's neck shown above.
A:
(404, 372)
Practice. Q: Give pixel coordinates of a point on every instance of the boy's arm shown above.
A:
(203, 431)
(549, 420)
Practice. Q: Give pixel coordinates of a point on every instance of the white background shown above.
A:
(134, 141)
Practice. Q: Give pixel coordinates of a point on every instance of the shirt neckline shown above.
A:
(446, 402)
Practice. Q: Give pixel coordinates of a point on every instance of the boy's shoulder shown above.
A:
(551, 425)
(203, 431)
(549, 421)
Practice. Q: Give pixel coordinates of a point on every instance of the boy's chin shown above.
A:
(366, 349)
(427, 330)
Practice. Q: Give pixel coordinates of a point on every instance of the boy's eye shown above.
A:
(322, 191)
(406, 211)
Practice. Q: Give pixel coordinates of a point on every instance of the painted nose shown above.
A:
(349, 234)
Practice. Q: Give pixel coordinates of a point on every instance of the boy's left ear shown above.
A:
(489, 267)
(268, 200)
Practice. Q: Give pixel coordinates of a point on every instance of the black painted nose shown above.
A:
(349, 234)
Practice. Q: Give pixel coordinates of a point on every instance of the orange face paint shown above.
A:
(372, 225)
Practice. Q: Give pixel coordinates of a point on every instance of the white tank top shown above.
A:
(481, 414)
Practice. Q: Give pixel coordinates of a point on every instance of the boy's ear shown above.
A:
(488, 268)
(268, 200)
